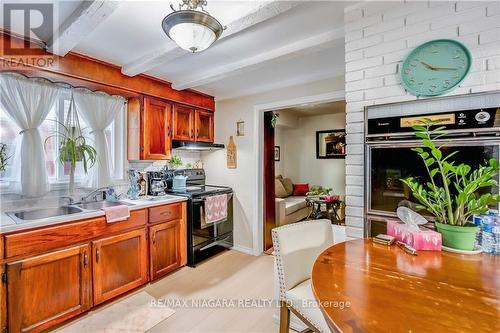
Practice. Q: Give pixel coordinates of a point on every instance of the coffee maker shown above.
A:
(157, 183)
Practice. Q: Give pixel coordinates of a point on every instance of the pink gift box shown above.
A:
(420, 240)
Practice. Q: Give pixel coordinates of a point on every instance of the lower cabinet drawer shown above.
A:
(120, 263)
(165, 213)
(48, 289)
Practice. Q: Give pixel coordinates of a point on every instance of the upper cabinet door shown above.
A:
(204, 126)
(48, 289)
(183, 123)
(157, 140)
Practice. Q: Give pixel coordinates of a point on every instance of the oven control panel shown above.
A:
(465, 119)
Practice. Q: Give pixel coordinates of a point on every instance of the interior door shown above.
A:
(183, 123)
(48, 289)
(269, 190)
(156, 130)
(204, 126)
(119, 264)
(165, 248)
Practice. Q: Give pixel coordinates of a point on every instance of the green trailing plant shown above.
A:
(175, 161)
(3, 156)
(274, 119)
(451, 193)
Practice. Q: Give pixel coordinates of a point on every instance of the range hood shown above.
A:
(196, 146)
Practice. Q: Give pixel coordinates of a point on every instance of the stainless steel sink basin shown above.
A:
(38, 214)
(97, 205)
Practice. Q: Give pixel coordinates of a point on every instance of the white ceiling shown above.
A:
(268, 44)
(316, 109)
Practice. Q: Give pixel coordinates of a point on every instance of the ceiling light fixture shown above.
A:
(191, 27)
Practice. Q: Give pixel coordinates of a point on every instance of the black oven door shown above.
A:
(388, 163)
(206, 239)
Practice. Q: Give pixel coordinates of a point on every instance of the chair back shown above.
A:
(296, 247)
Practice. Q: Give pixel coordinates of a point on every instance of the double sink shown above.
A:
(26, 216)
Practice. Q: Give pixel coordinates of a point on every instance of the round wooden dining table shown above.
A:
(362, 286)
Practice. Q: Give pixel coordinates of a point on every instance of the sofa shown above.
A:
(289, 208)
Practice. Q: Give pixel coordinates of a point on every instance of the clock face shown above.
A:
(435, 67)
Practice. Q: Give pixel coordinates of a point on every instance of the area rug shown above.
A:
(133, 314)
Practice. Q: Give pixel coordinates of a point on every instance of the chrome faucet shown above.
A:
(70, 199)
(95, 193)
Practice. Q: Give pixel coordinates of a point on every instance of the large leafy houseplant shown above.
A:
(451, 193)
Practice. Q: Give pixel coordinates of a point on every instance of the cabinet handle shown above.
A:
(85, 259)
(97, 255)
(197, 132)
(168, 131)
(154, 238)
(192, 133)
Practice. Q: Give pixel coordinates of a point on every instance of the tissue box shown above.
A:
(419, 240)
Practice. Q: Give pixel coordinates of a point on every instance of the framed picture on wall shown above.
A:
(330, 144)
(277, 153)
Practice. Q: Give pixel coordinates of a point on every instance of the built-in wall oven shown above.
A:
(473, 126)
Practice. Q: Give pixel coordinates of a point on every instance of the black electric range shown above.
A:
(203, 240)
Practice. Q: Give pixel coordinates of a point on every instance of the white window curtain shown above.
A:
(98, 110)
(27, 102)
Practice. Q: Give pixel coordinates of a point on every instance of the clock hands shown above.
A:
(437, 68)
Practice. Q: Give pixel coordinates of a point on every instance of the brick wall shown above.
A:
(378, 37)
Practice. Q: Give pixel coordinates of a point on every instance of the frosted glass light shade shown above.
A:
(192, 36)
(192, 30)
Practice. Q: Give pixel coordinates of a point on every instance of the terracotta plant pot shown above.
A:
(458, 237)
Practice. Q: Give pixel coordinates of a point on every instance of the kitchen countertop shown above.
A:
(7, 224)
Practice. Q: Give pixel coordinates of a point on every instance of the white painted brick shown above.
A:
(353, 55)
(406, 32)
(355, 170)
(478, 65)
(354, 138)
(463, 5)
(353, 15)
(484, 24)
(354, 117)
(354, 201)
(486, 50)
(474, 14)
(354, 159)
(353, 35)
(471, 40)
(355, 149)
(493, 63)
(383, 27)
(381, 70)
(378, 7)
(488, 87)
(353, 232)
(384, 48)
(362, 43)
(354, 76)
(354, 211)
(489, 36)
(392, 80)
(354, 190)
(355, 222)
(364, 84)
(435, 12)
(448, 32)
(395, 57)
(493, 9)
(384, 92)
(356, 106)
(354, 96)
(352, 128)
(395, 99)
(363, 63)
(354, 180)
(364, 22)
(399, 10)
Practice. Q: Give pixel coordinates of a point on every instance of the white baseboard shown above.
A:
(243, 249)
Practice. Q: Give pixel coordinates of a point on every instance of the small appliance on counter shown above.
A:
(156, 183)
(205, 236)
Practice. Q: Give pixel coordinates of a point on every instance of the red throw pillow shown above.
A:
(300, 189)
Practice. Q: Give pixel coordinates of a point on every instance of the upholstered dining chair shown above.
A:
(296, 247)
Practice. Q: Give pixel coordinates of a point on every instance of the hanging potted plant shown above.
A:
(451, 193)
(73, 146)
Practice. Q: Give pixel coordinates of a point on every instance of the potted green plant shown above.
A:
(451, 193)
(3, 156)
(73, 148)
(175, 162)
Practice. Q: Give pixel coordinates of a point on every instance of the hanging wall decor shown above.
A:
(231, 154)
(240, 128)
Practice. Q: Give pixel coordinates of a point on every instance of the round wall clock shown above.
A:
(435, 67)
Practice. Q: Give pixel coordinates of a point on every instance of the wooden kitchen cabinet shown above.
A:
(48, 289)
(204, 124)
(149, 129)
(165, 251)
(184, 123)
(119, 264)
